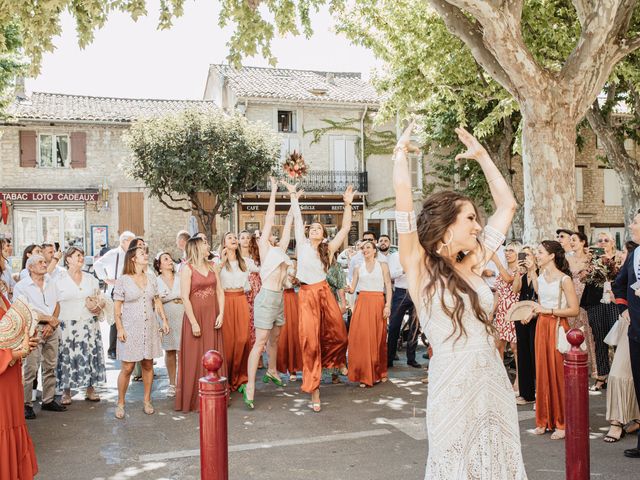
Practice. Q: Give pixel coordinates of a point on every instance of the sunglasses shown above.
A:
(603, 240)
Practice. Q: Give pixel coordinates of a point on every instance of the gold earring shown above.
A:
(445, 244)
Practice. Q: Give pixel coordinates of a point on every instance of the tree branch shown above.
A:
(470, 33)
(627, 47)
(584, 8)
(171, 206)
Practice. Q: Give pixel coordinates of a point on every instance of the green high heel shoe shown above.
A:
(272, 378)
(247, 402)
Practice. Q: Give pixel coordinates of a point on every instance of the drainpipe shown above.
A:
(364, 114)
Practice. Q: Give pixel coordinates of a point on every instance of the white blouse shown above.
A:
(71, 297)
(370, 282)
(235, 278)
(548, 293)
(272, 261)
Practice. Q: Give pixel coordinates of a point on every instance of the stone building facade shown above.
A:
(60, 158)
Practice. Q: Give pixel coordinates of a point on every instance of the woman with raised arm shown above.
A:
(269, 303)
(472, 422)
(323, 334)
(368, 328)
(234, 276)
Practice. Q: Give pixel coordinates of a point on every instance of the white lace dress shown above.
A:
(472, 420)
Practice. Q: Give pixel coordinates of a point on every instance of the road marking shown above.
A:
(278, 443)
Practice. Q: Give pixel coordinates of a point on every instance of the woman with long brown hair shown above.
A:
(250, 253)
(323, 333)
(234, 277)
(472, 421)
(557, 300)
(135, 299)
(203, 301)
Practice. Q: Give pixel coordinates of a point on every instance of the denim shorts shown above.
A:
(268, 309)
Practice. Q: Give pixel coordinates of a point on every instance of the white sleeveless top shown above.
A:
(272, 261)
(370, 282)
(310, 268)
(548, 293)
(235, 278)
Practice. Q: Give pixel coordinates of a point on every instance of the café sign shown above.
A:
(59, 196)
(304, 207)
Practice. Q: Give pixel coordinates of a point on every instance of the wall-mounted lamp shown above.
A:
(103, 196)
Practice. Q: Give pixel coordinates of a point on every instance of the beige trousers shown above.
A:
(46, 354)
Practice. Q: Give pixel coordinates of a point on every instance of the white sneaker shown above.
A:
(171, 391)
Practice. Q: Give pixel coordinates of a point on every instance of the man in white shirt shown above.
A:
(108, 268)
(52, 257)
(39, 290)
(401, 305)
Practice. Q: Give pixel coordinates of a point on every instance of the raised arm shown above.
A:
(286, 232)
(263, 242)
(500, 191)
(341, 236)
(411, 253)
(298, 223)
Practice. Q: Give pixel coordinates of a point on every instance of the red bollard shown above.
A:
(214, 447)
(576, 387)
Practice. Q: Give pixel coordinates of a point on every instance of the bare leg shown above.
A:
(514, 349)
(272, 350)
(123, 380)
(254, 356)
(315, 400)
(147, 378)
(170, 360)
(501, 345)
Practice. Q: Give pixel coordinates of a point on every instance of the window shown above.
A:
(344, 153)
(392, 231)
(54, 151)
(289, 145)
(612, 193)
(579, 185)
(286, 121)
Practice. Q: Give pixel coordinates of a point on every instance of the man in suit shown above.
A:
(626, 289)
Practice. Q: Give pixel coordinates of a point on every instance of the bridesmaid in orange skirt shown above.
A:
(368, 330)
(236, 326)
(557, 300)
(17, 456)
(203, 299)
(289, 351)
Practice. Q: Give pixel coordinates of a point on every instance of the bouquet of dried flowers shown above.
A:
(598, 272)
(294, 166)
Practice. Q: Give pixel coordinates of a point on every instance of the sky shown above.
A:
(136, 60)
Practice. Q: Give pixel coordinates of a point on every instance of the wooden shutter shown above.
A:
(28, 153)
(131, 212)
(78, 150)
(208, 201)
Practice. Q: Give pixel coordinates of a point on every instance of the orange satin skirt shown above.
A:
(368, 340)
(549, 374)
(236, 328)
(323, 333)
(289, 352)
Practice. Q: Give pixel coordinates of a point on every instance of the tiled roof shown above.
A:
(60, 107)
(298, 85)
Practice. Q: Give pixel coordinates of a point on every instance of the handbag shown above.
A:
(613, 336)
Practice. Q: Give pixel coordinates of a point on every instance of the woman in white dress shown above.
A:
(472, 421)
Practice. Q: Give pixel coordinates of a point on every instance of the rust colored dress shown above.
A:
(550, 408)
(204, 302)
(289, 352)
(17, 456)
(256, 283)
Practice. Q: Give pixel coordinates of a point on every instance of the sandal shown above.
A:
(119, 412)
(92, 398)
(558, 434)
(293, 377)
(66, 399)
(601, 384)
(539, 431)
(523, 401)
(148, 408)
(609, 438)
(317, 407)
(633, 426)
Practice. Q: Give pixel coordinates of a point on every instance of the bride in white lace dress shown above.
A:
(472, 420)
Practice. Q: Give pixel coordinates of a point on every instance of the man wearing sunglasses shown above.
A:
(563, 236)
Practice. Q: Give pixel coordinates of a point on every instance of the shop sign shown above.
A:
(26, 196)
(304, 207)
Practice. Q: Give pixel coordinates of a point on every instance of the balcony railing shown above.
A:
(327, 181)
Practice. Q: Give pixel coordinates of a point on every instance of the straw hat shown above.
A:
(17, 323)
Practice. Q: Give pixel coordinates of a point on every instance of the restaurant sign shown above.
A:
(304, 207)
(49, 196)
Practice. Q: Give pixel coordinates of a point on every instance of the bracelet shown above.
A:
(406, 222)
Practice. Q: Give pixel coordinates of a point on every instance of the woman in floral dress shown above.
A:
(81, 361)
(506, 297)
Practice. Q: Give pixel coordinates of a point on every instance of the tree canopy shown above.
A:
(179, 157)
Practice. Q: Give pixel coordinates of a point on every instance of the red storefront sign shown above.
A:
(54, 196)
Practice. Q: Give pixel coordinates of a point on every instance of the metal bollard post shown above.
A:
(576, 385)
(213, 420)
